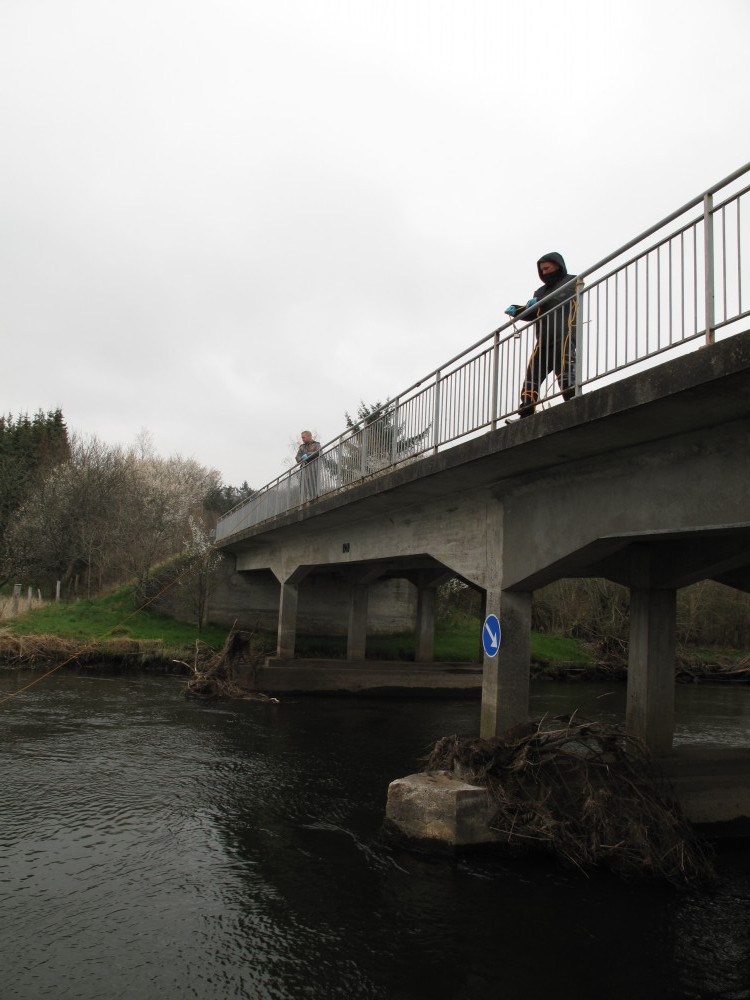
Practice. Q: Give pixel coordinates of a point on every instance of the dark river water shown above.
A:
(153, 847)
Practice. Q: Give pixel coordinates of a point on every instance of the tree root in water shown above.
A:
(216, 678)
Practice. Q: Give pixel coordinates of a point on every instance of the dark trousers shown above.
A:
(554, 351)
(309, 479)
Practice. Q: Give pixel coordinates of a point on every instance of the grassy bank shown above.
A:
(458, 639)
(111, 629)
(114, 615)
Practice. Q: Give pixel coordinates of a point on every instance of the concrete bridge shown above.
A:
(645, 482)
(642, 478)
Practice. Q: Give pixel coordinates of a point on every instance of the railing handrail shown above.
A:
(698, 200)
(501, 336)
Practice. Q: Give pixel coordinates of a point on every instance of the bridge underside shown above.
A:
(645, 483)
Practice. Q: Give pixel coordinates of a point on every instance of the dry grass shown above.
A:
(42, 650)
(11, 607)
(723, 668)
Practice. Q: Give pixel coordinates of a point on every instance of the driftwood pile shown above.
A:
(585, 791)
(217, 677)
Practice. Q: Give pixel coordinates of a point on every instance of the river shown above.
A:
(154, 848)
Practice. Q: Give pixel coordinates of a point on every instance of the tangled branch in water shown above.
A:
(584, 790)
(217, 678)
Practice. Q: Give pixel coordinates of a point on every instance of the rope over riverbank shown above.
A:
(585, 791)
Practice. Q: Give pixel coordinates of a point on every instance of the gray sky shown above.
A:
(229, 221)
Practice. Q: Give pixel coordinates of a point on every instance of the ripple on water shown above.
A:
(156, 849)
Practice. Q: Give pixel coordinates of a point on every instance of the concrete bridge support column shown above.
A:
(356, 642)
(505, 681)
(651, 660)
(287, 633)
(424, 647)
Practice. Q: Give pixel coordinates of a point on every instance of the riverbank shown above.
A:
(114, 632)
(45, 651)
(23, 650)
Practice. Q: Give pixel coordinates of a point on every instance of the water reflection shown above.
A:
(156, 847)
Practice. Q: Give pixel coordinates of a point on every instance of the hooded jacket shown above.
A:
(564, 315)
(552, 281)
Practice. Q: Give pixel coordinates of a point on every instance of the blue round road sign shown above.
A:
(491, 635)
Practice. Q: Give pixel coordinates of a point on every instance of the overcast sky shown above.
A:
(228, 221)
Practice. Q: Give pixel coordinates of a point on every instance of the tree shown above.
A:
(203, 557)
(170, 493)
(222, 498)
(108, 514)
(29, 450)
(377, 439)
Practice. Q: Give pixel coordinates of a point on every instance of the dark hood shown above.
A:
(556, 276)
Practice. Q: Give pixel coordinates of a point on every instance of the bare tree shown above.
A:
(108, 514)
(204, 558)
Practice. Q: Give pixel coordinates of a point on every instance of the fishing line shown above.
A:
(91, 646)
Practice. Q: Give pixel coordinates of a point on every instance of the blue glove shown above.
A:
(304, 457)
(530, 303)
(512, 310)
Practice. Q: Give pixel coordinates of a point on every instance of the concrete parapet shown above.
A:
(439, 810)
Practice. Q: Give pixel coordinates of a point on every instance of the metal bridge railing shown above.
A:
(679, 285)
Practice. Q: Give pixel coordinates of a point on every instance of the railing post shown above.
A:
(495, 378)
(708, 253)
(363, 455)
(436, 416)
(578, 343)
(394, 433)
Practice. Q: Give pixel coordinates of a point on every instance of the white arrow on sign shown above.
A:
(492, 635)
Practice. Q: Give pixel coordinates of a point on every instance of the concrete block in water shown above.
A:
(439, 809)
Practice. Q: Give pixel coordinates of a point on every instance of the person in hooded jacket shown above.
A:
(555, 329)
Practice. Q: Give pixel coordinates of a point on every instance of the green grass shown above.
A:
(548, 648)
(709, 655)
(457, 637)
(116, 615)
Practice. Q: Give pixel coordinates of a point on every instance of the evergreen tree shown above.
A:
(377, 440)
(29, 450)
(222, 498)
